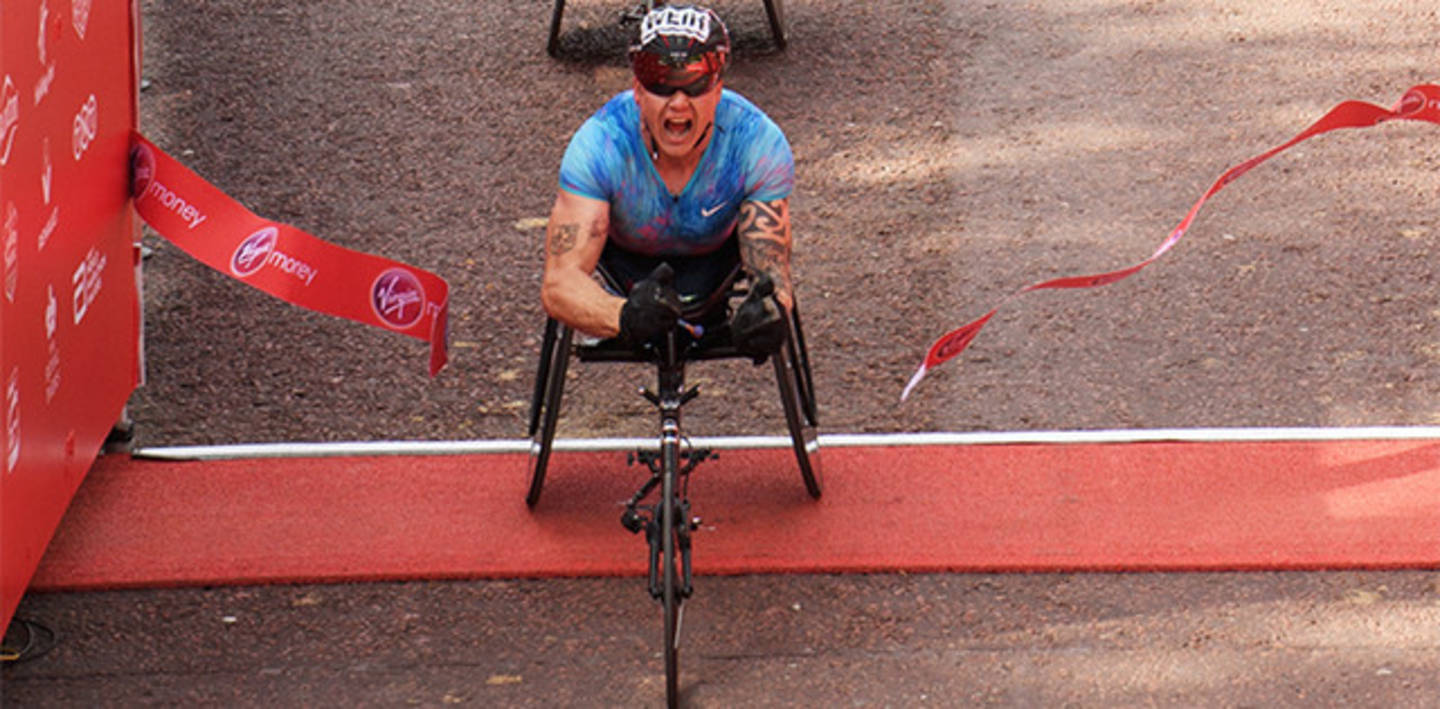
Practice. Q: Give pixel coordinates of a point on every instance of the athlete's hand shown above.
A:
(652, 308)
(758, 326)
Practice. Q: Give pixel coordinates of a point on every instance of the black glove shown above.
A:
(652, 308)
(758, 326)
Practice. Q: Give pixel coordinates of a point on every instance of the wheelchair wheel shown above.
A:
(803, 436)
(671, 587)
(775, 15)
(552, 46)
(545, 406)
(542, 374)
(805, 381)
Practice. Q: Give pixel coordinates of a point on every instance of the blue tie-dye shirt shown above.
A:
(748, 158)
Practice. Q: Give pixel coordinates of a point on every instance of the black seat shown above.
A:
(708, 308)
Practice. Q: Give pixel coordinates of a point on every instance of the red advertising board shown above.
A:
(70, 312)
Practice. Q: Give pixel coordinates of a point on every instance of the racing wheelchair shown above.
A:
(703, 335)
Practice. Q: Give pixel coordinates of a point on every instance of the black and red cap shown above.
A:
(680, 46)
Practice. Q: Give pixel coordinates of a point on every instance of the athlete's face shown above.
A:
(679, 125)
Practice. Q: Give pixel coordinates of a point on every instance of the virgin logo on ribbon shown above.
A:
(258, 251)
(142, 168)
(283, 260)
(398, 298)
(251, 254)
(1420, 103)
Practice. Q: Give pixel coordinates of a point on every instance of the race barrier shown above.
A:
(1420, 103)
(70, 314)
(71, 167)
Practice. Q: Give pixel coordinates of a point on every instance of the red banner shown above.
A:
(1421, 103)
(69, 262)
(283, 260)
(69, 307)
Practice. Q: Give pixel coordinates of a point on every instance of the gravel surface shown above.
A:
(947, 155)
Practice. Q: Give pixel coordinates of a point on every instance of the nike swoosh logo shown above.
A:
(707, 212)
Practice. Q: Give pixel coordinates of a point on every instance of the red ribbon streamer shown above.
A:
(283, 260)
(1421, 103)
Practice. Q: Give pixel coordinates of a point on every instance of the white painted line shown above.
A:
(1191, 435)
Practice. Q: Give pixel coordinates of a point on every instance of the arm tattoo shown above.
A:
(601, 228)
(763, 217)
(764, 236)
(562, 238)
(763, 254)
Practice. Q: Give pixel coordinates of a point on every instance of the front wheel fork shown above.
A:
(635, 521)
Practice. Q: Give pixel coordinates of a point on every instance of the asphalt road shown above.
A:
(1197, 639)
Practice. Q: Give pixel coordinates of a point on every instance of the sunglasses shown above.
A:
(694, 89)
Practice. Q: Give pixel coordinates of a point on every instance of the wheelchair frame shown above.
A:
(792, 373)
(667, 523)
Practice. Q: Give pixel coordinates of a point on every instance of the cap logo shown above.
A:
(670, 21)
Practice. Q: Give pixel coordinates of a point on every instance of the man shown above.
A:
(666, 183)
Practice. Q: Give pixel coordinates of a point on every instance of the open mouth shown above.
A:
(677, 127)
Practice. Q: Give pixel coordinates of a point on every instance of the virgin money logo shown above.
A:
(40, 40)
(252, 253)
(80, 16)
(52, 312)
(398, 298)
(9, 118)
(11, 251)
(86, 125)
(142, 169)
(88, 279)
(1415, 102)
(12, 420)
(47, 174)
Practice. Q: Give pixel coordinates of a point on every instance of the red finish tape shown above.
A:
(283, 260)
(1421, 103)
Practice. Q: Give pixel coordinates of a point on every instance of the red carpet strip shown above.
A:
(1138, 506)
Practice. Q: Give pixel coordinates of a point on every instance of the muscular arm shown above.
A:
(573, 242)
(764, 235)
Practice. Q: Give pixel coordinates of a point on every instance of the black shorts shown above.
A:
(702, 281)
